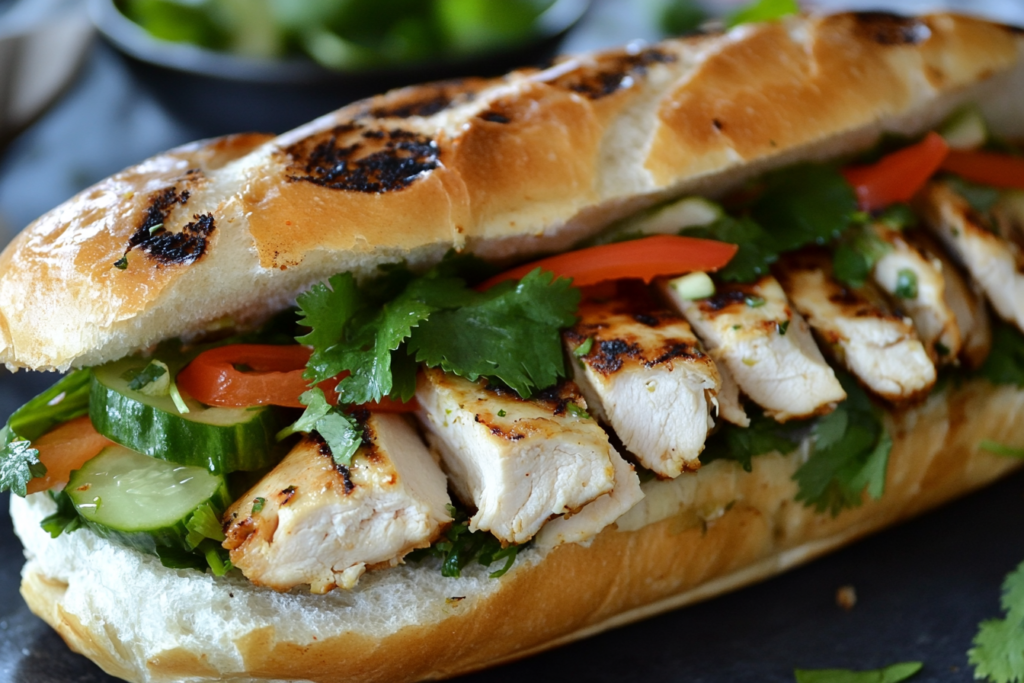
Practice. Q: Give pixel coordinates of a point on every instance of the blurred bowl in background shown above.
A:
(42, 43)
(216, 93)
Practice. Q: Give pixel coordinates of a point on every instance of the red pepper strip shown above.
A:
(987, 168)
(275, 378)
(898, 176)
(643, 259)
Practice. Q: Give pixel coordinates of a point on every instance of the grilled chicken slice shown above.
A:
(518, 462)
(312, 521)
(915, 280)
(972, 317)
(646, 377)
(994, 262)
(730, 407)
(879, 348)
(765, 345)
(594, 517)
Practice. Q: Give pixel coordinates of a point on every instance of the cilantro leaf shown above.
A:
(509, 332)
(327, 310)
(856, 255)
(894, 673)
(340, 431)
(755, 254)
(998, 652)
(851, 454)
(459, 546)
(764, 435)
(19, 462)
(203, 524)
(1005, 362)
(65, 520)
(981, 198)
(807, 204)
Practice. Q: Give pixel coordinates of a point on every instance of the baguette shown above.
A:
(505, 168)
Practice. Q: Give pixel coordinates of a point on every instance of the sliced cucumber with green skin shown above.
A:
(142, 502)
(220, 440)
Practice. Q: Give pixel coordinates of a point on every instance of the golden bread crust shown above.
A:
(505, 167)
(737, 528)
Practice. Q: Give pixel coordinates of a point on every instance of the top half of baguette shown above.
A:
(236, 227)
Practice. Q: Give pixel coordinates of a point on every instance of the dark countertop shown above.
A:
(922, 587)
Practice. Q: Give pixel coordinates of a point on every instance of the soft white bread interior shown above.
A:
(689, 539)
(236, 227)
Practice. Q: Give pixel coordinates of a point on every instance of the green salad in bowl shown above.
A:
(344, 34)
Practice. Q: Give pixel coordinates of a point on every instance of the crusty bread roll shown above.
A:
(689, 539)
(505, 168)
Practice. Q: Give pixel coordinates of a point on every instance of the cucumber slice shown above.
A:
(143, 502)
(221, 440)
(965, 129)
(666, 219)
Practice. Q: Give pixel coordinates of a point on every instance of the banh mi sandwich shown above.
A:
(473, 369)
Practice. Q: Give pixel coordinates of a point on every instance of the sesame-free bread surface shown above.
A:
(689, 539)
(230, 230)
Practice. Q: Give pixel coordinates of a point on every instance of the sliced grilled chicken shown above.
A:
(916, 282)
(646, 377)
(765, 346)
(312, 521)
(730, 407)
(518, 462)
(972, 317)
(879, 348)
(594, 517)
(994, 262)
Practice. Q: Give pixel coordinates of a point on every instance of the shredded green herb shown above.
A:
(64, 401)
(851, 454)
(1005, 362)
(460, 546)
(906, 284)
(998, 652)
(742, 444)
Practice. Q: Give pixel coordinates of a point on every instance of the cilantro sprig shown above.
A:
(1005, 362)
(459, 546)
(19, 462)
(998, 652)
(851, 454)
(377, 333)
(742, 444)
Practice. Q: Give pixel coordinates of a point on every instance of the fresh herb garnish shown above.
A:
(755, 253)
(203, 524)
(981, 198)
(122, 263)
(856, 255)
(1005, 362)
(141, 380)
(509, 332)
(584, 348)
(65, 400)
(576, 411)
(65, 520)
(460, 546)
(851, 454)
(897, 216)
(742, 444)
(894, 673)
(906, 284)
(339, 430)
(257, 505)
(782, 326)
(755, 301)
(998, 652)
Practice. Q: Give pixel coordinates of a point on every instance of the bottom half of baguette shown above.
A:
(689, 539)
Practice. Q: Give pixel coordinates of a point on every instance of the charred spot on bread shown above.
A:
(892, 29)
(352, 158)
(427, 100)
(164, 246)
(612, 72)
